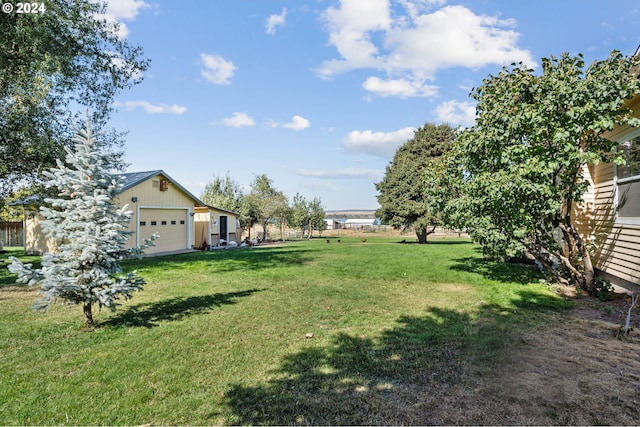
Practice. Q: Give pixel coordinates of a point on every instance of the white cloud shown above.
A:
(119, 10)
(296, 123)
(155, 109)
(457, 113)
(217, 69)
(350, 29)
(382, 144)
(239, 119)
(275, 20)
(398, 87)
(341, 173)
(411, 48)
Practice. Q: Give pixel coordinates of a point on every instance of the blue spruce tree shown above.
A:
(89, 231)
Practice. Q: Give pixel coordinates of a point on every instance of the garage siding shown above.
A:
(151, 204)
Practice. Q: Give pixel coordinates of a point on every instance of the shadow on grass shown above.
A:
(405, 376)
(500, 271)
(149, 315)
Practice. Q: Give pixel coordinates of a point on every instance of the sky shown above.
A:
(319, 94)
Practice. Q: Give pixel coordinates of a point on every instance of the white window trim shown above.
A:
(618, 219)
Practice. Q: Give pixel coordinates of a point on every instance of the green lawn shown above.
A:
(220, 337)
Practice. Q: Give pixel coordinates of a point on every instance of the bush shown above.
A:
(603, 290)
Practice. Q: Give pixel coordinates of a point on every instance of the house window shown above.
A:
(628, 182)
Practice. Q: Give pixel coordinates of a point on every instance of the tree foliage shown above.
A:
(402, 192)
(89, 231)
(53, 66)
(266, 203)
(307, 215)
(523, 162)
(226, 193)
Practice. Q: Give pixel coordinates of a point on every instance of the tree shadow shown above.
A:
(401, 377)
(149, 315)
(507, 272)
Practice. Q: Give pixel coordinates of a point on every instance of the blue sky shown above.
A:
(318, 94)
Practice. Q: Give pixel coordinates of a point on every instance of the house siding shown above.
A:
(616, 245)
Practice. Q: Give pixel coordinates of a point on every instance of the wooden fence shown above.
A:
(11, 233)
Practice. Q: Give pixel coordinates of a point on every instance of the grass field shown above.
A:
(401, 334)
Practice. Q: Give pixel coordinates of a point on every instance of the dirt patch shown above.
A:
(574, 371)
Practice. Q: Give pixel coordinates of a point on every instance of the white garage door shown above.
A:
(170, 224)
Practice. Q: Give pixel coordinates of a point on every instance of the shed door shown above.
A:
(224, 233)
(170, 224)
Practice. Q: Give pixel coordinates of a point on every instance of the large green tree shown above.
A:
(402, 192)
(55, 65)
(523, 162)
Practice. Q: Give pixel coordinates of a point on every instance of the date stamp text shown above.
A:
(23, 8)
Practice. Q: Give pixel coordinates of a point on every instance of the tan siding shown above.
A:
(35, 240)
(149, 196)
(617, 246)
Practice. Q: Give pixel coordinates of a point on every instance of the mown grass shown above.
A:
(221, 337)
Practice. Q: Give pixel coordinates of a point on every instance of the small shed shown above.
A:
(215, 224)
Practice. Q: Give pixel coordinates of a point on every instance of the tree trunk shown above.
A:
(422, 235)
(587, 279)
(88, 315)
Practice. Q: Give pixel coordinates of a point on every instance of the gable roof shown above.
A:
(131, 179)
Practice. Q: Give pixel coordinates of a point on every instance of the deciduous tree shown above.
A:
(53, 66)
(226, 193)
(402, 192)
(266, 201)
(524, 160)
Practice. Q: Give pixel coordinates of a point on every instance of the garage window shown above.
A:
(143, 223)
(154, 222)
(173, 223)
(164, 223)
(182, 222)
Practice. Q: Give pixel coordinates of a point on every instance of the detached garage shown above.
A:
(159, 205)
